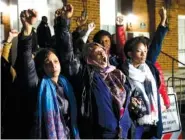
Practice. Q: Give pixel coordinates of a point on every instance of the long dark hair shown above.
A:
(39, 59)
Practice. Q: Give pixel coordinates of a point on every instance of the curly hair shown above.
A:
(132, 43)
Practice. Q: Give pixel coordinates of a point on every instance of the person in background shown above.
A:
(44, 33)
(8, 76)
(34, 42)
(81, 33)
(80, 30)
(120, 37)
(105, 39)
(79, 43)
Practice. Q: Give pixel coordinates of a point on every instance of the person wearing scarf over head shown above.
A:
(100, 91)
(44, 90)
(144, 79)
(109, 97)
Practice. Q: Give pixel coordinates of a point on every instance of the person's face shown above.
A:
(45, 20)
(99, 56)
(52, 65)
(139, 55)
(106, 42)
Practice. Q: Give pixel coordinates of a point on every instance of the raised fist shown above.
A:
(82, 20)
(91, 26)
(28, 17)
(12, 34)
(65, 12)
(120, 20)
(163, 13)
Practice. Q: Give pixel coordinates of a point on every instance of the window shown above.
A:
(181, 39)
(107, 15)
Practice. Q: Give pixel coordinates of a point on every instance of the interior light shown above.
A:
(3, 7)
(131, 18)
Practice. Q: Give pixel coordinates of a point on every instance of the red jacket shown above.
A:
(163, 89)
(120, 40)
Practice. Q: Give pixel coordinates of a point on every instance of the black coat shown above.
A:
(44, 35)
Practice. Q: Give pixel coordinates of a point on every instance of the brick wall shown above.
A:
(143, 9)
(147, 12)
(92, 10)
(170, 44)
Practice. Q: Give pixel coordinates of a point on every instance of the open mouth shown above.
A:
(104, 59)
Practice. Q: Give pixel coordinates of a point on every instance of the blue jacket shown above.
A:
(156, 44)
(97, 114)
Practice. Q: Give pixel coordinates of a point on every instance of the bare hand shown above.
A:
(120, 20)
(12, 34)
(91, 26)
(81, 21)
(163, 13)
(28, 17)
(65, 12)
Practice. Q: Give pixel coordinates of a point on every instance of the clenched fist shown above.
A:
(28, 17)
(65, 12)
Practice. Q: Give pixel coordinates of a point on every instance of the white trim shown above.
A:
(181, 40)
(146, 34)
(181, 16)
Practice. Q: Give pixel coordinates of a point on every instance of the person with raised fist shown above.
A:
(102, 97)
(8, 76)
(47, 106)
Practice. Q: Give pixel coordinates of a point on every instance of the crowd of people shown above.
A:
(73, 88)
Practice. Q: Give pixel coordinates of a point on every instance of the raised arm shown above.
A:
(120, 35)
(81, 27)
(6, 51)
(8, 44)
(91, 27)
(156, 44)
(64, 45)
(25, 66)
